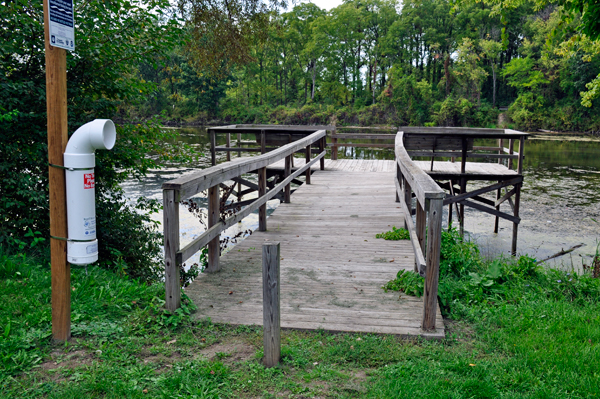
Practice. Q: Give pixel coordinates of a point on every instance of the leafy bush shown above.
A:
(467, 279)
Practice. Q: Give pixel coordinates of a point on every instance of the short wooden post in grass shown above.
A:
(271, 314)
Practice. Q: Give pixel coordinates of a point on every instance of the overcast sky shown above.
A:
(324, 4)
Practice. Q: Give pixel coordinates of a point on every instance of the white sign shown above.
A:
(62, 22)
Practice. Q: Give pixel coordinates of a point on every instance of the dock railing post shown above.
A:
(421, 227)
(262, 190)
(322, 146)
(308, 147)
(213, 147)
(287, 172)
(271, 310)
(334, 148)
(213, 219)
(171, 234)
(430, 291)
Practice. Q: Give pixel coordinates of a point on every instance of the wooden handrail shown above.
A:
(190, 185)
(176, 190)
(410, 178)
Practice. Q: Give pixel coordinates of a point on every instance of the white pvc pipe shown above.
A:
(79, 158)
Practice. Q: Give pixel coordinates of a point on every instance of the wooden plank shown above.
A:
(450, 154)
(330, 276)
(363, 145)
(171, 237)
(365, 136)
(271, 307)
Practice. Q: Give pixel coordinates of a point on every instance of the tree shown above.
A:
(112, 38)
(492, 50)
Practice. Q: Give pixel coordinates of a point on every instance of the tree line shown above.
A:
(384, 62)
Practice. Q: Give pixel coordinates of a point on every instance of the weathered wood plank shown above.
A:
(271, 308)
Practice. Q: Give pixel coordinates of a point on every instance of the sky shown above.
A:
(324, 4)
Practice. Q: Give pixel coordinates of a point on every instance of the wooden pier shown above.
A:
(332, 266)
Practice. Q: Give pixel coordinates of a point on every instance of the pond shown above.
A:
(560, 205)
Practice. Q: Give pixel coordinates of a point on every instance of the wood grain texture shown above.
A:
(271, 304)
(213, 219)
(56, 106)
(332, 267)
(171, 228)
(430, 290)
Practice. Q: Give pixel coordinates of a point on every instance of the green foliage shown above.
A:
(100, 82)
(466, 279)
(395, 234)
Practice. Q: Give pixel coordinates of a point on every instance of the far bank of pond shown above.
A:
(560, 204)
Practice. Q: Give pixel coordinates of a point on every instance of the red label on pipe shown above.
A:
(88, 180)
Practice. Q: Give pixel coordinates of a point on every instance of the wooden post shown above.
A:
(513, 249)
(288, 171)
(263, 142)
(497, 218)
(213, 218)
(307, 161)
(228, 145)
(398, 179)
(262, 190)
(271, 310)
(171, 229)
(511, 151)
(463, 189)
(407, 200)
(434, 235)
(421, 227)
(213, 147)
(56, 107)
(321, 148)
(334, 141)
(239, 185)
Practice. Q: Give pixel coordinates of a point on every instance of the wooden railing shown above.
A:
(356, 133)
(269, 137)
(426, 235)
(210, 179)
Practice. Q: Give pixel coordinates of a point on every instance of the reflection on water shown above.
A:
(559, 205)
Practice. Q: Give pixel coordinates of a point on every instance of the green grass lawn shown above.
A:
(515, 331)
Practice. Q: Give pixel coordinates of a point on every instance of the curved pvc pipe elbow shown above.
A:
(100, 134)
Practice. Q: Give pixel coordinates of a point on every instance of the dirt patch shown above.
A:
(229, 352)
(458, 331)
(59, 358)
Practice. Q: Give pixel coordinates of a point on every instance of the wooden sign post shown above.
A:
(56, 105)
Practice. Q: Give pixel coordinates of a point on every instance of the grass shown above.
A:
(513, 330)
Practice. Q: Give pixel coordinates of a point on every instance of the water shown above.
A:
(560, 201)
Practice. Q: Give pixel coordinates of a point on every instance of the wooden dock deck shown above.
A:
(332, 266)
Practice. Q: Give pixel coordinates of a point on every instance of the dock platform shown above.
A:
(332, 266)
